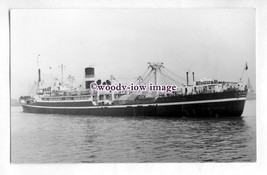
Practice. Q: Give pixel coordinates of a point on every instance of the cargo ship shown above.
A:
(198, 99)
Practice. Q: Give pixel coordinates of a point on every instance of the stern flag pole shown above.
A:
(245, 68)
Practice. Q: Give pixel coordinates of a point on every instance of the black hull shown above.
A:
(197, 109)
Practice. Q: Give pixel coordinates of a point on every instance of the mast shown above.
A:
(155, 77)
(39, 71)
(244, 69)
(112, 92)
(187, 79)
(155, 67)
(61, 70)
(61, 73)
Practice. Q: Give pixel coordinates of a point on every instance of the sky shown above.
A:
(213, 43)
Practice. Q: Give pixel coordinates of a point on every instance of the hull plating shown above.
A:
(224, 108)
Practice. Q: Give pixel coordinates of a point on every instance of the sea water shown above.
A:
(55, 138)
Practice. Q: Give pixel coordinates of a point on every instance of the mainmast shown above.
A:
(155, 67)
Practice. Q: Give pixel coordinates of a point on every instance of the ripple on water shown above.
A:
(39, 138)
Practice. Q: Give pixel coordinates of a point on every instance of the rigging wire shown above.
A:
(164, 80)
(144, 77)
(175, 74)
(126, 78)
(135, 81)
(33, 87)
(145, 72)
(147, 77)
(171, 79)
(150, 78)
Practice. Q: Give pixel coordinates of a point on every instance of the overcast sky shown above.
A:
(214, 43)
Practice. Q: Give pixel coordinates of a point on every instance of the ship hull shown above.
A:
(229, 107)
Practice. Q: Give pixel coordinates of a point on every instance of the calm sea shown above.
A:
(45, 138)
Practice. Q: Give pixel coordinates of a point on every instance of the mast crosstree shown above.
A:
(155, 67)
